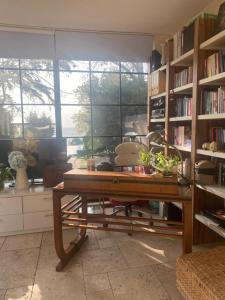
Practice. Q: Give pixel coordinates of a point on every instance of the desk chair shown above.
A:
(127, 157)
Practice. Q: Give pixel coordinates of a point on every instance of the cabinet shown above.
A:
(25, 211)
(187, 91)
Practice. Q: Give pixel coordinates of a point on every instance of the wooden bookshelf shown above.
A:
(158, 96)
(184, 89)
(214, 43)
(179, 119)
(160, 120)
(184, 60)
(218, 79)
(216, 154)
(218, 116)
(204, 197)
(211, 224)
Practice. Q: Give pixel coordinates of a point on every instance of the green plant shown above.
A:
(145, 157)
(5, 174)
(165, 163)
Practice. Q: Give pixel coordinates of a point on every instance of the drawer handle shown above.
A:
(116, 180)
(50, 215)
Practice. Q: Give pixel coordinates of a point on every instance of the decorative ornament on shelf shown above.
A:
(18, 162)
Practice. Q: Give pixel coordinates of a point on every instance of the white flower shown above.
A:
(17, 160)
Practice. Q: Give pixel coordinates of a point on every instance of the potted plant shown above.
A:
(166, 164)
(5, 174)
(146, 160)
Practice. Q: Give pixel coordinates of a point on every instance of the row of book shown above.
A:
(221, 174)
(217, 134)
(157, 83)
(183, 107)
(215, 63)
(213, 101)
(182, 136)
(183, 77)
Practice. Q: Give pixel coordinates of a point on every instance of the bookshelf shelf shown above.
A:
(212, 116)
(162, 68)
(184, 60)
(215, 42)
(177, 119)
(183, 148)
(218, 79)
(185, 89)
(158, 96)
(210, 224)
(211, 153)
(214, 189)
(162, 120)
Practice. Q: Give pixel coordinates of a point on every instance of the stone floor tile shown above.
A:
(68, 235)
(137, 284)
(22, 241)
(102, 261)
(167, 276)
(2, 294)
(48, 258)
(18, 267)
(52, 285)
(97, 282)
(2, 239)
(21, 293)
(101, 295)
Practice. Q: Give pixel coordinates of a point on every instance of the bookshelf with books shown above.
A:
(195, 111)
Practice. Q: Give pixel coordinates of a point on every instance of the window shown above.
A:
(27, 106)
(101, 102)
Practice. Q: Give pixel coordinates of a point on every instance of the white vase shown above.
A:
(21, 179)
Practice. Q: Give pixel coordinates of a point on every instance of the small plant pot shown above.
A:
(147, 169)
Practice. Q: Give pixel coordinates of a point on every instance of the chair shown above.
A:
(127, 157)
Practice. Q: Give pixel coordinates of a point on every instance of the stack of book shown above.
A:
(182, 136)
(217, 134)
(215, 63)
(157, 82)
(183, 77)
(183, 106)
(213, 101)
(183, 41)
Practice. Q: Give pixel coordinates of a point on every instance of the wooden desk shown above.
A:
(85, 185)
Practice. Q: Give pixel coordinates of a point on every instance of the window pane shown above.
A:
(37, 87)
(79, 146)
(133, 89)
(10, 121)
(106, 121)
(75, 88)
(134, 119)
(131, 67)
(9, 87)
(40, 64)
(105, 88)
(9, 63)
(75, 65)
(105, 145)
(40, 121)
(76, 121)
(105, 66)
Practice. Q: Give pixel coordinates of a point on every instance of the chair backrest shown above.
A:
(128, 154)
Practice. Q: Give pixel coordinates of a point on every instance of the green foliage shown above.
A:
(5, 174)
(165, 163)
(146, 158)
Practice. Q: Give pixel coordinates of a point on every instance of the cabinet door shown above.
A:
(11, 223)
(10, 205)
(36, 202)
(38, 220)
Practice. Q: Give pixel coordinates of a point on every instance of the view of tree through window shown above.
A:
(100, 102)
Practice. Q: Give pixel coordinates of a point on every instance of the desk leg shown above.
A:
(187, 233)
(65, 254)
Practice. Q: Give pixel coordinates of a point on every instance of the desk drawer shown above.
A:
(36, 203)
(10, 205)
(11, 223)
(38, 220)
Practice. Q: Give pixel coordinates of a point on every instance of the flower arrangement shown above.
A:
(29, 148)
(17, 160)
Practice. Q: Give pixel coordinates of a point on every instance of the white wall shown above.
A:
(213, 6)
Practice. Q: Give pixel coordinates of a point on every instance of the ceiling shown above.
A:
(146, 16)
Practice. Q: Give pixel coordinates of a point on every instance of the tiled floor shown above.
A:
(109, 266)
